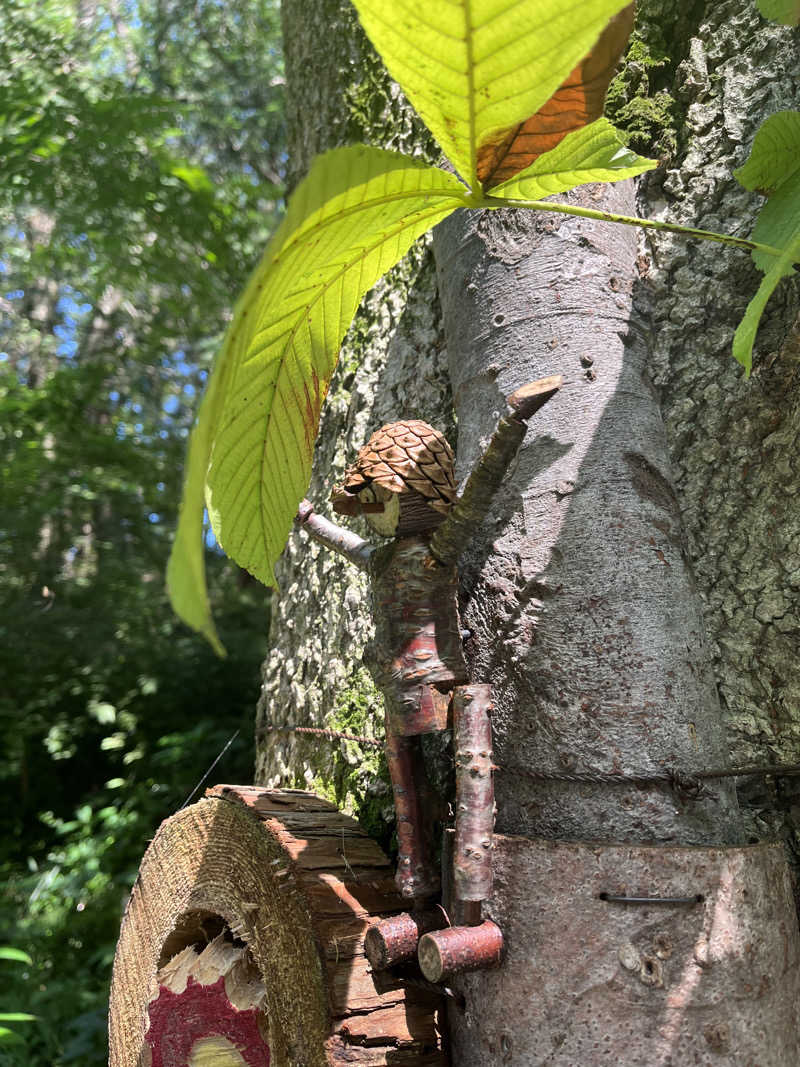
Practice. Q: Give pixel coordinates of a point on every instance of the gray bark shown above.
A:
(587, 981)
(733, 441)
(579, 594)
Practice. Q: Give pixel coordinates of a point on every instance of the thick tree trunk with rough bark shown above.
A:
(732, 441)
(581, 602)
(633, 597)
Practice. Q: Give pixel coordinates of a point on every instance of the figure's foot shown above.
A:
(444, 953)
(393, 941)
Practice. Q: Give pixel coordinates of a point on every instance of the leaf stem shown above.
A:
(495, 202)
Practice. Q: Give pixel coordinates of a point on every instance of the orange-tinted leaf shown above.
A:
(576, 103)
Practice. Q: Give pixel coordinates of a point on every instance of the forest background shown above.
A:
(143, 151)
(143, 157)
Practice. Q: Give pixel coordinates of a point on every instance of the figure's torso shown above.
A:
(417, 627)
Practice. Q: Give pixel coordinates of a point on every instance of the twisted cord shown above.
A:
(687, 785)
(316, 731)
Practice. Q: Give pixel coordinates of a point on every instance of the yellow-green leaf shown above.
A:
(186, 570)
(195, 177)
(353, 217)
(746, 330)
(775, 155)
(594, 153)
(577, 102)
(475, 68)
(787, 12)
(16, 954)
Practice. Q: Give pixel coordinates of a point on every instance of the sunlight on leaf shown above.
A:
(16, 954)
(576, 103)
(195, 177)
(746, 330)
(475, 68)
(787, 12)
(592, 154)
(354, 216)
(186, 570)
(775, 155)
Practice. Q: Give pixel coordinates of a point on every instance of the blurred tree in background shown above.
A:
(142, 152)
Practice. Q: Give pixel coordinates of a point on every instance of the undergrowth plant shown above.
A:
(513, 94)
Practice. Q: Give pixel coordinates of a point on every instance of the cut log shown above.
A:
(243, 944)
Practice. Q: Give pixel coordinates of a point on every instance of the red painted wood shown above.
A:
(178, 1020)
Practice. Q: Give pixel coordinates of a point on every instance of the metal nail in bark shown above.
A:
(403, 484)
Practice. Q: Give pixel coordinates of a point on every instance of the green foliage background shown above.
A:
(142, 152)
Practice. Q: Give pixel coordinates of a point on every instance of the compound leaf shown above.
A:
(578, 102)
(353, 217)
(475, 69)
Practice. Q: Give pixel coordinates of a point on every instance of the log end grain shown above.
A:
(285, 888)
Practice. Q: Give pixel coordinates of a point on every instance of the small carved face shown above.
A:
(402, 481)
(385, 520)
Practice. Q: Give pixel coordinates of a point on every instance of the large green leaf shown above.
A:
(772, 169)
(186, 570)
(354, 216)
(746, 330)
(778, 221)
(786, 12)
(474, 68)
(594, 153)
(775, 155)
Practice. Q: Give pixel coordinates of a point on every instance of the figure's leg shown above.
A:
(394, 940)
(472, 943)
(417, 877)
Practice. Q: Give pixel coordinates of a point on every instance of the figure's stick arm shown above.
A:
(327, 533)
(473, 505)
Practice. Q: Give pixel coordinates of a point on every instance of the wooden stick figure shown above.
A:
(403, 483)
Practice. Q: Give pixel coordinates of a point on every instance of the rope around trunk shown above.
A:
(686, 785)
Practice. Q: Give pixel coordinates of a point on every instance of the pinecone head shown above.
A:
(405, 467)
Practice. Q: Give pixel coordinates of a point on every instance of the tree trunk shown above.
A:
(585, 614)
(732, 441)
(580, 599)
